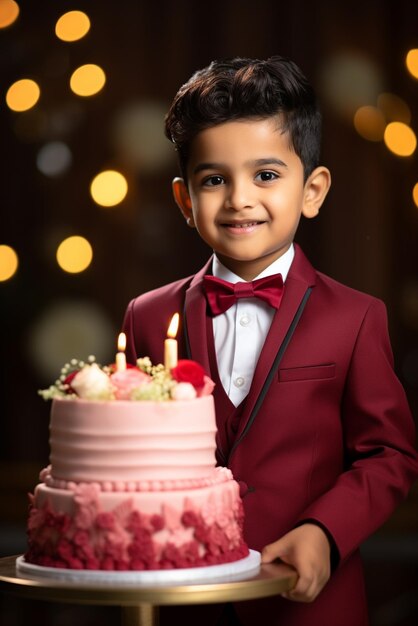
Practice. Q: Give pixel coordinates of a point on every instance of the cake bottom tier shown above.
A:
(86, 528)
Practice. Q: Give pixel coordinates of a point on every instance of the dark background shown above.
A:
(366, 234)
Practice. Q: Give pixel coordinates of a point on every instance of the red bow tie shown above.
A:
(221, 295)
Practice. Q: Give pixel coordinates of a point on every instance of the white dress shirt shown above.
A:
(240, 332)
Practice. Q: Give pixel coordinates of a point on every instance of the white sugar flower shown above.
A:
(91, 383)
(183, 391)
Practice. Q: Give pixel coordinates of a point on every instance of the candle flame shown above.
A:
(174, 325)
(122, 342)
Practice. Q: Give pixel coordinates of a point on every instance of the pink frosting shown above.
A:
(217, 476)
(128, 441)
(198, 532)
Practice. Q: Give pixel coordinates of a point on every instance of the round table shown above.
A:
(140, 602)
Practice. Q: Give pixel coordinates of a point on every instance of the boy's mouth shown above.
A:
(242, 226)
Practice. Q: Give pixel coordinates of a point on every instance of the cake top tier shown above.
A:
(90, 381)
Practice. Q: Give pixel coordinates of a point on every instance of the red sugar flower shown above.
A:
(81, 538)
(65, 549)
(107, 563)
(201, 533)
(68, 380)
(190, 519)
(172, 555)
(187, 371)
(105, 520)
(74, 563)
(191, 553)
(157, 522)
(135, 522)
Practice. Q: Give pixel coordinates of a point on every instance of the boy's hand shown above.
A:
(307, 549)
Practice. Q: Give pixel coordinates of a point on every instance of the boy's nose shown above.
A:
(240, 196)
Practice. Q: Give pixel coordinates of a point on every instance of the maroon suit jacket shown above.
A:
(332, 440)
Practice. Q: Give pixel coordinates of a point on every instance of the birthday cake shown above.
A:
(132, 483)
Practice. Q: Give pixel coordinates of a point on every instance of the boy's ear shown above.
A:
(182, 198)
(316, 189)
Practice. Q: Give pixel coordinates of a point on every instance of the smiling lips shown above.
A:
(241, 227)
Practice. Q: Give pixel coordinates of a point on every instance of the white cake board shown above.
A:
(238, 570)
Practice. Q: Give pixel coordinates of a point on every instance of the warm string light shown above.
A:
(9, 262)
(9, 12)
(74, 254)
(390, 120)
(108, 188)
(87, 80)
(411, 62)
(23, 95)
(72, 26)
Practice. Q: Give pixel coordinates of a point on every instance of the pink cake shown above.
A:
(132, 483)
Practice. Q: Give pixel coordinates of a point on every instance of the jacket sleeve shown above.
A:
(380, 459)
(128, 328)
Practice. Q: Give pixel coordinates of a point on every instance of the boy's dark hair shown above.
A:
(243, 88)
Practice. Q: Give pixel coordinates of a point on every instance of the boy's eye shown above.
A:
(266, 176)
(213, 181)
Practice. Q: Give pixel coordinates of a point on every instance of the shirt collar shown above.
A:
(279, 266)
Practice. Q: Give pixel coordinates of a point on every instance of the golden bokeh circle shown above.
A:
(400, 139)
(109, 188)
(87, 80)
(415, 194)
(369, 122)
(22, 95)
(74, 254)
(412, 62)
(9, 262)
(72, 26)
(9, 12)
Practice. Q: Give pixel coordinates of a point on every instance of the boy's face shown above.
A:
(246, 193)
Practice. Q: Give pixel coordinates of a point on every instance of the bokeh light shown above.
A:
(138, 137)
(349, 81)
(74, 254)
(23, 95)
(87, 80)
(400, 139)
(54, 158)
(8, 262)
(415, 194)
(109, 188)
(72, 26)
(394, 108)
(412, 62)
(69, 329)
(370, 123)
(9, 12)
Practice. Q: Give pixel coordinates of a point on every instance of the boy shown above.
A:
(311, 418)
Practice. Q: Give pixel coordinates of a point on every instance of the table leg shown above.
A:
(142, 615)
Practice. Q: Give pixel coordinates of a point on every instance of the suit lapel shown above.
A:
(301, 276)
(195, 318)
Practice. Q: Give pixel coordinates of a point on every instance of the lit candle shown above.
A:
(170, 344)
(120, 355)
